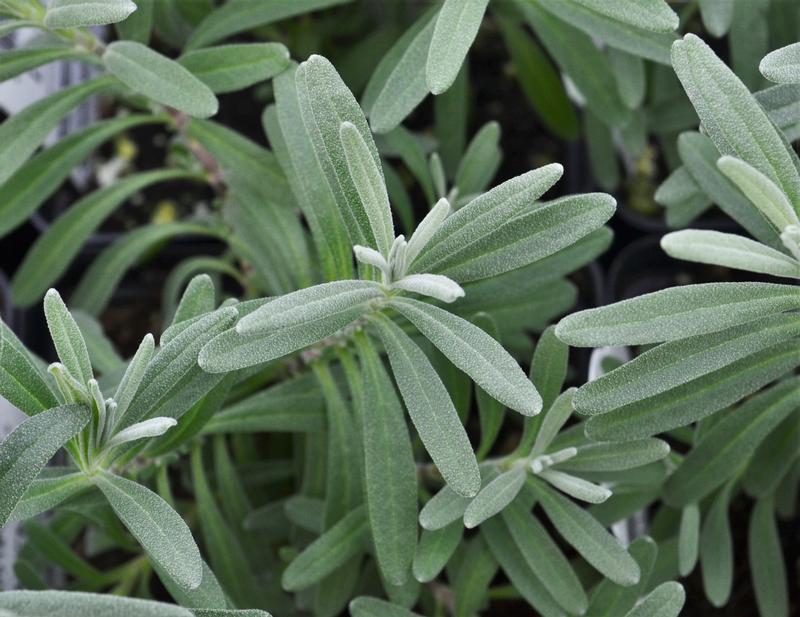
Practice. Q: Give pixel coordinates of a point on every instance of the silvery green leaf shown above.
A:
(431, 409)
(688, 538)
(44, 494)
(549, 366)
(731, 116)
(132, 379)
(545, 559)
(159, 78)
(766, 560)
(760, 190)
(682, 197)
(717, 16)
(368, 180)
(629, 73)
(666, 600)
(158, 528)
(554, 419)
(25, 131)
(227, 68)
(472, 575)
(390, 471)
(773, 458)
(443, 508)
(198, 299)
(480, 161)
(609, 599)
(655, 15)
(474, 352)
(142, 430)
(696, 399)
(84, 13)
(588, 537)
(716, 550)
(398, 83)
(678, 362)
(676, 313)
(22, 380)
(30, 446)
(364, 606)
(426, 229)
(434, 550)
(576, 487)
(730, 441)
(433, 285)
(456, 27)
(495, 496)
(371, 257)
(18, 61)
(616, 456)
(72, 391)
(308, 307)
(782, 65)
(104, 357)
(729, 250)
(67, 338)
(69, 603)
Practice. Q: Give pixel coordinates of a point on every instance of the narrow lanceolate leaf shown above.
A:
(655, 15)
(717, 15)
(431, 409)
(576, 487)
(159, 78)
(52, 603)
(329, 552)
(228, 68)
(730, 115)
(153, 427)
(67, 338)
(474, 352)
(444, 507)
(678, 362)
(676, 313)
(426, 229)
(782, 65)
(132, 378)
(609, 599)
(434, 551)
(666, 600)
(375, 607)
(398, 83)
(368, 179)
(774, 458)
(616, 456)
(545, 559)
(44, 494)
(688, 538)
(433, 285)
(495, 496)
(158, 528)
(766, 560)
(588, 537)
(456, 27)
(318, 308)
(730, 441)
(85, 13)
(554, 419)
(30, 446)
(390, 471)
(716, 550)
(480, 161)
(198, 299)
(729, 250)
(25, 131)
(18, 61)
(22, 381)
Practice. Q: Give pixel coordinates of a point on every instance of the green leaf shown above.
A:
(575, 487)
(159, 78)
(431, 409)
(545, 559)
(655, 15)
(329, 552)
(629, 73)
(678, 362)
(495, 496)
(471, 575)
(773, 458)
(137, 27)
(729, 250)
(609, 599)
(480, 162)
(101, 278)
(731, 117)
(104, 357)
(228, 68)
(716, 550)
(409, 148)
(399, 82)
(25, 131)
(782, 66)
(616, 456)
(768, 570)
(158, 528)
(443, 508)
(554, 419)
(364, 606)
(682, 197)
(42, 265)
(242, 15)
(688, 538)
(676, 313)
(64, 603)
(22, 381)
(730, 441)
(717, 15)
(474, 352)
(491, 413)
(588, 537)
(390, 471)
(456, 27)
(18, 61)
(30, 446)
(198, 298)
(85, 13)
(67, 338)
(44, 494)
(697, 399)
(58, 552)
(132, 378)
(434, 550)
(666, 600)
